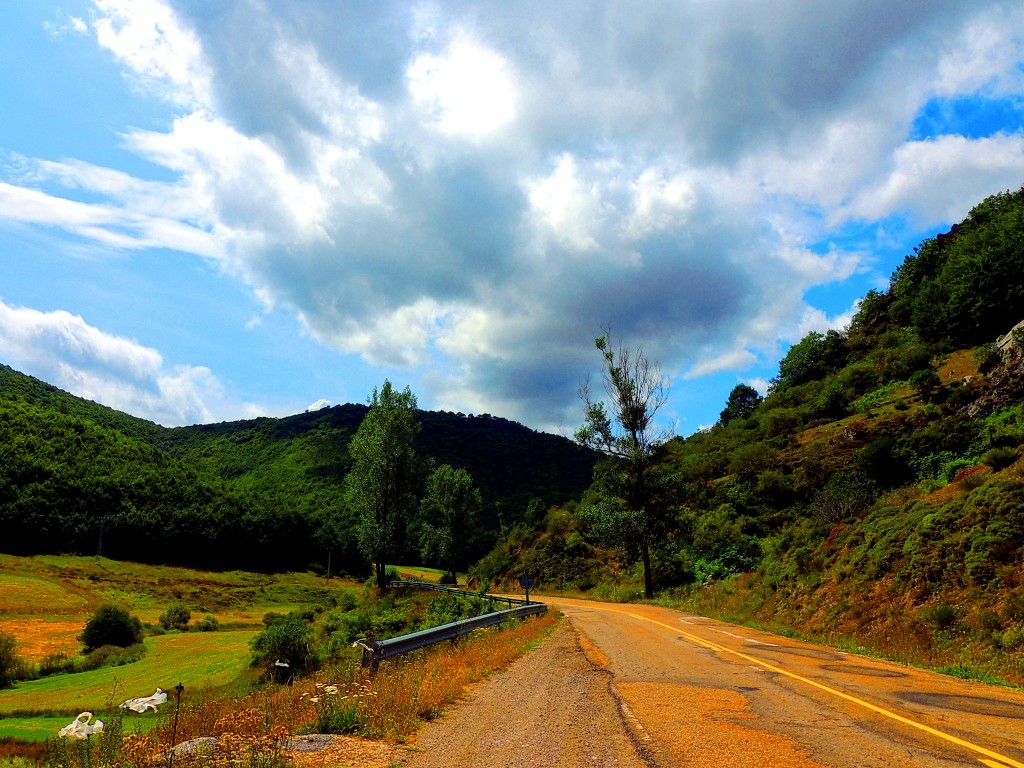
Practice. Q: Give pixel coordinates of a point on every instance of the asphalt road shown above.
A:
(695, 691)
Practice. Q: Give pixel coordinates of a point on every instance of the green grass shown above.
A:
(196, 660)
(427, 574)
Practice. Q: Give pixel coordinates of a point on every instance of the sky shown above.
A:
(220, 210)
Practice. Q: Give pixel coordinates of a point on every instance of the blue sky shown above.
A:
(216, 211)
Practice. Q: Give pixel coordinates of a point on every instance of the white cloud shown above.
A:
(319, 405)
(475, 194)
(468, 90)
(566, 205)
(941, 179)
(146, 36)
(987, 57)
(63, 350)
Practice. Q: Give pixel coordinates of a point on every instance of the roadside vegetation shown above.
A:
(234, 677)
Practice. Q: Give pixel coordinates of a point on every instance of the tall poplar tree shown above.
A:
(383, 481)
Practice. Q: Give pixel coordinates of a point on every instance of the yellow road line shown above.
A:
(1003, 760)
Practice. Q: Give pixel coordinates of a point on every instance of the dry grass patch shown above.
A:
(38, 638)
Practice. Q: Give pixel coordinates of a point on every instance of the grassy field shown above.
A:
(194, 659)
(45, 602)
(426, 574)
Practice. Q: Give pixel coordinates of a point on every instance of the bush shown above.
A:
(941, 616)
(208, 623)
(177, 616)
(12, 666)
(926, 382)
(56, 664)
(338, 714)
(999, 458)
(111, 625)
(113, 656)
(847, 493)
(287, 640)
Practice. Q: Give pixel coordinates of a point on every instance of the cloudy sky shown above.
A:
(210, 211)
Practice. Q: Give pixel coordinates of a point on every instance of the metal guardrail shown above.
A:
(375, 651)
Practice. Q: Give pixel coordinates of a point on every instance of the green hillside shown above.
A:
(239, 494)
(877, 492)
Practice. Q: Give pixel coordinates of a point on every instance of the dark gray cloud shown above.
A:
(473, 189)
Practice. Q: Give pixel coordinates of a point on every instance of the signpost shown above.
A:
(526, 582)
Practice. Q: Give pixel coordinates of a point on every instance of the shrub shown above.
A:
(999, 458)
(111, 625)
(113, 656)
(1014, 608)
(208, 623)
(987, 357)
(337, 714)
(177, 616)
(926, 382)
(750, 459)
(875, 398)
(286, 640)
(12, 666)
(847, 493)
(941, 616)
(56, 664)
(833, 400)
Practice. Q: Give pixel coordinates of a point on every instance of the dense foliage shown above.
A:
(111, 625)
(964, 287)
(70, 485)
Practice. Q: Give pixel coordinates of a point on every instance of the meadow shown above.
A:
(45, 602)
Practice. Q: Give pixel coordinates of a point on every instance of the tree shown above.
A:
(847, 493)
(449, 508)
(632, 510)
(926, 381)
(742, 402)
(811, 358)
(111, 625)
(382, 483)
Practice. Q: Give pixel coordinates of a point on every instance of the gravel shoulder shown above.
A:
(552, 707)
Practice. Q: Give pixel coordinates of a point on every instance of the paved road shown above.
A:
(695, 691)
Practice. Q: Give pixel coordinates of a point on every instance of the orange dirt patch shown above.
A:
(592, 652)
(957, 365)
(709, 726)
(350, 752)
(37, 639)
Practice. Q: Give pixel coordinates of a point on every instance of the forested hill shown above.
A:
(876, 491)
(258, 493)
